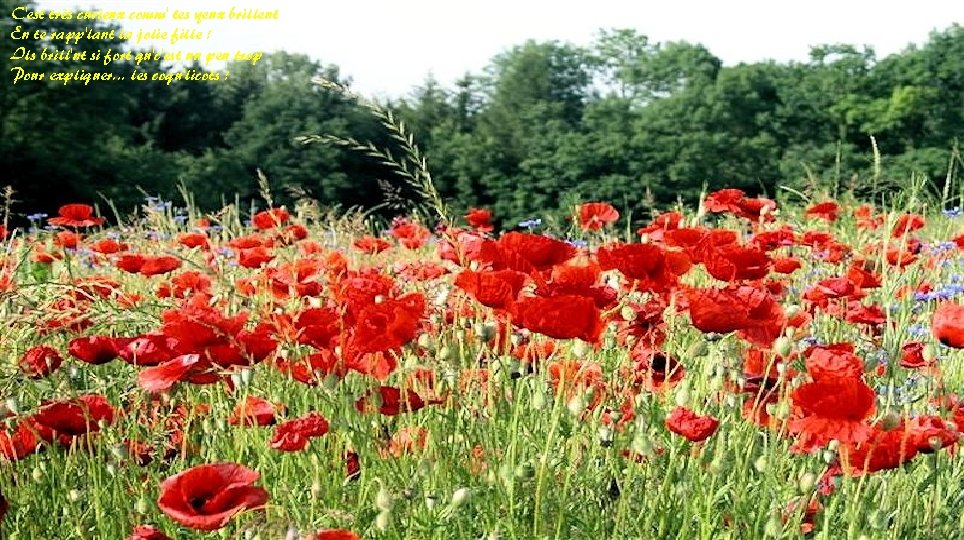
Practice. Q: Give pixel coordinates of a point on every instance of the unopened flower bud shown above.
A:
(460, 496)
(384, 500)
(383, 520)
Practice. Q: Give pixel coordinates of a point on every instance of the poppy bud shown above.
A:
(330, 382)
(13, 405)
(426, 342)
(37, 474)
(460, 496)
(247, 374)
(774, 526)
(782, 346)
(141, 506)
(73, 495)
(576, 405)
(628, 314)
(890, 421)
(807, 481)
(315, 489)
(605, 436)
(538, 399)
(682, 396)
(431, 501)
(525, 471)
(384, 500)
(383, 520)
(760, 464)
(580, 349)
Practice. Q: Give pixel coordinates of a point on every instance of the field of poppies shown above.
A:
(739, 370)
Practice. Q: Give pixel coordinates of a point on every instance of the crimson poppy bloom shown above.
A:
(596, 215)
(833, 361)
(389, 401)
(22, 441)
(827, 210)
(293, 435)
(882, 450)
(184, 368)
(496, 289)
(947, 325)
(560, 317)
(75, 417)
(161, 264)
(409, 234)
(40, 361)
(734, 262)
(335, 534)
(270, 219)
(76, 216)
(480, 219)
(694, 427)
(526, 251)
(254, 411)
(96, 349)
(912, 355)
(147, 532)
(833, 409)
(206, 497)
(372, 245)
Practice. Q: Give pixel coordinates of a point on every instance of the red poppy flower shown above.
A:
(96, 349)
(270, 219)
(388, 325)
(947, 325)
(371, 244)
(907, 223)
(827, 210)
(694, 427)
(833, 409)
(882, 450)
(293, 435)
(527, 251)
(409, 234)
(335, 534)
(596, 215)
(654, 268)
(40, 361)
(254, 411)
(480, 219)
(193, 240)
(254, 257)
(67, 240)
(406, 441)
(74, 417)
(77, 216)
(929, 433)
(912, 355)
(389, 401)
(833, 361)
(184, 368)
(22, 441)
(148, 350)
(733, 262)
(496, 289)
(147, 532)
(561, 317)
(161, 264)
(206, 497)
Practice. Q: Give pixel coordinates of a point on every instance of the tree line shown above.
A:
(623, 119)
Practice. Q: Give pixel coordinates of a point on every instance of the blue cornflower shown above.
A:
(531, 223)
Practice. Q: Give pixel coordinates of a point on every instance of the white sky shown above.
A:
(387, 47)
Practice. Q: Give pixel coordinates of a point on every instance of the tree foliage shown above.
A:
(624, 119)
